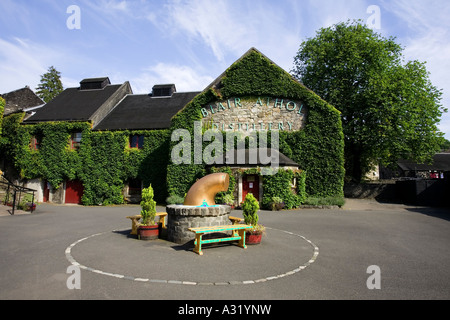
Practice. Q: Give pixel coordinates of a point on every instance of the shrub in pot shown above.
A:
(250, 208)
(148, 229)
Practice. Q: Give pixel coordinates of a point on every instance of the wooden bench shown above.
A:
(235, 220)
(135, 221)
(238, 233)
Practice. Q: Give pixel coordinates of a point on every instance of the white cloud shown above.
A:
(229, 28)
(185, 78)
(22, 63)
(216, 23)
(325, 13)
(428, 42)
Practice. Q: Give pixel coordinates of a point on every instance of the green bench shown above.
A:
(238, 233)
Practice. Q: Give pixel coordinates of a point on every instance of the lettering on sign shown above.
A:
(255, 114)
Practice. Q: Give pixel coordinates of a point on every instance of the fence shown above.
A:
(17, 197)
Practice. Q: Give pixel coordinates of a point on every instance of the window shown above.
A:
(75, 141)
(136, 141)
(35, 143)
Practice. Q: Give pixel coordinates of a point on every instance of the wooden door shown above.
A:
(250, 184)
(74, 191)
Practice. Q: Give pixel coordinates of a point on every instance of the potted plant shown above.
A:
(148, 229)
(250, 208)
(277, 203)
(228, 199)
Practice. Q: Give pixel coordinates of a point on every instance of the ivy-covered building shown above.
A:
(101, 144)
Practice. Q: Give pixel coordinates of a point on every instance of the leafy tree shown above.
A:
(389, 109)
(445, 147)
(2, 108)
(50, 85)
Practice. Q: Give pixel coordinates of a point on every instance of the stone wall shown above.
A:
(181, 218)
(255, 114)
(382, 191)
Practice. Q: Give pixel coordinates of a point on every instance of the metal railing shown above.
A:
(17, 196)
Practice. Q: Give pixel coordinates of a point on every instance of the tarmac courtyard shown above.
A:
(366, 250)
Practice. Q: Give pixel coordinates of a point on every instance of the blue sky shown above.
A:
(191, 42)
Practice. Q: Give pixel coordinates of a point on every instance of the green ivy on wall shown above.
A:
(104, 161)
(318, 148)
(280, 185)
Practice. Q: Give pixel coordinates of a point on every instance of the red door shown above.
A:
(46, 195)
(250, 185)
(74, 191)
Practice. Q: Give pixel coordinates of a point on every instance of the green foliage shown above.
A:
(445, 146)
(54, 161)
(224, 197)
(175, 199)
(280, 185)
(389, 110)
(318, 149)
(148, 207)
(277, 200)
(327, 201)
(103, 167)
(103, 162)
(50, 85)
(2, 108)
(250, 209)
(228, 199)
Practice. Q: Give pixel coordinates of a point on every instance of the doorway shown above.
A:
(46, 193)
(250, 184)
(74, 191)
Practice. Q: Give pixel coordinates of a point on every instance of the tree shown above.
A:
(50, 85)
(445, 147)
(389, 109)
(2, 108)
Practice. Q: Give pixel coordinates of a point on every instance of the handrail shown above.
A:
(16, 189)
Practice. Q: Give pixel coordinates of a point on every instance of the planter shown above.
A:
(30, 207)
(148, 232)
(252, 238)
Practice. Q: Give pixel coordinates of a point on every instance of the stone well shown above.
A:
(182, 217)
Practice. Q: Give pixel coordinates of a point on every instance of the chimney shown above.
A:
(163, 90)
(94, 83)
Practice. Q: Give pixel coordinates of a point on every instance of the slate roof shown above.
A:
(21, 99)
(441, 162)
(142, 111)
(74, 104)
